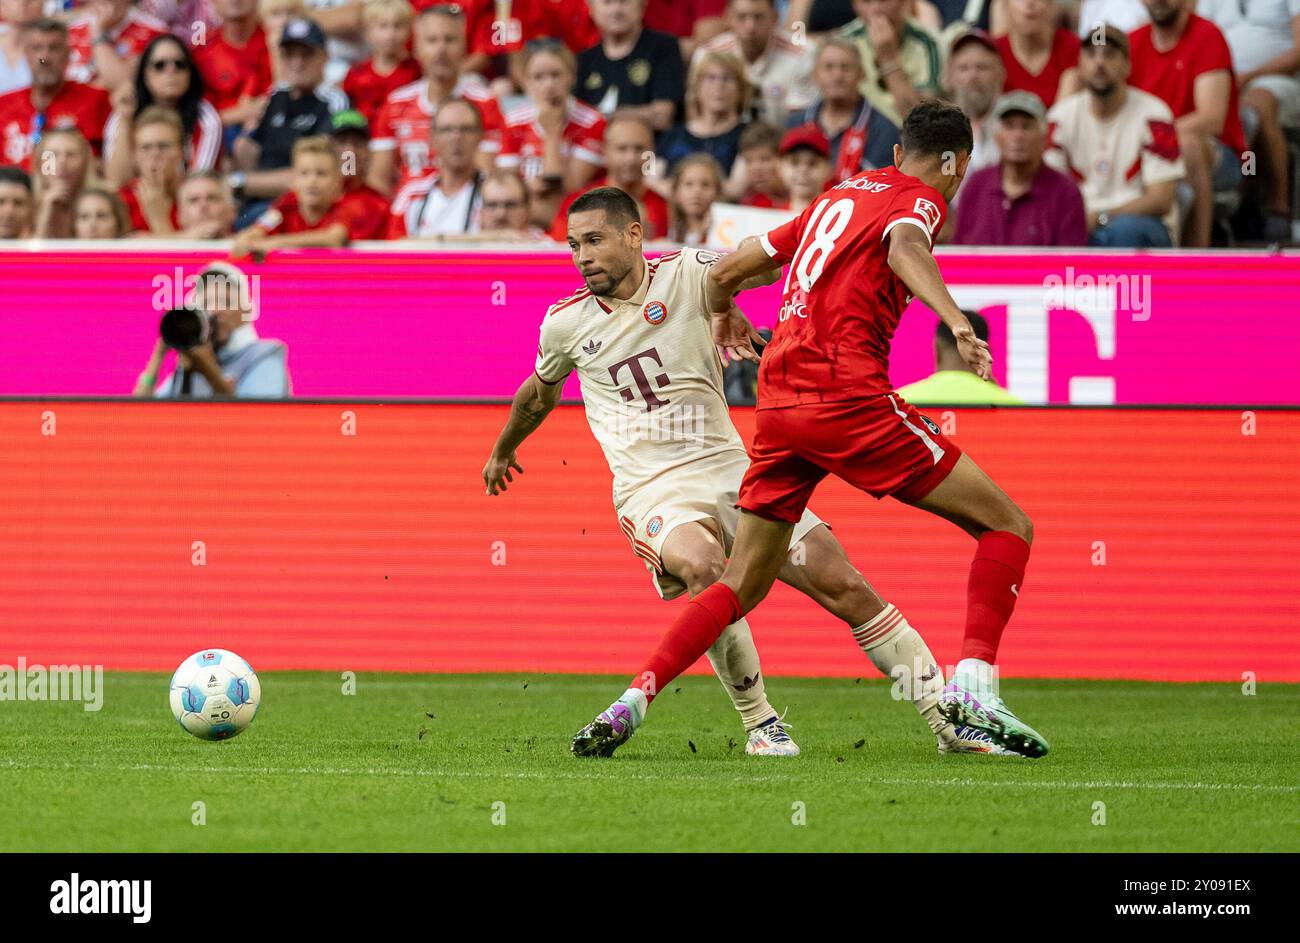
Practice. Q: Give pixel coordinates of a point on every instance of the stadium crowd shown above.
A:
(1140, 123)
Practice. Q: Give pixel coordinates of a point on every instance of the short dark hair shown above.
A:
(759, 134)
(943, 333)
(620, 209)
(44, 24)
(16, 176)
(935, 128)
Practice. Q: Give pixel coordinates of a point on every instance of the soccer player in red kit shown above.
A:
(825, 407)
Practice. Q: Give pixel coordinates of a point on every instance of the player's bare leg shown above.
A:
(819, 568)
(970, 499)
(757, 556)
(693, 553)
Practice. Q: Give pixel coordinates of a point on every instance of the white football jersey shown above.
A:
(651, 377)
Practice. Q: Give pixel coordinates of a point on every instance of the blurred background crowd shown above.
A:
(1137, 123)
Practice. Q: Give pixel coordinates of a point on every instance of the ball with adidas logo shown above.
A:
(215, 694)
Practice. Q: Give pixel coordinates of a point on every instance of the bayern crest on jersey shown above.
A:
(654, 526)
(655, 312)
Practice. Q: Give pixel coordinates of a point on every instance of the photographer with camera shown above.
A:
(218, 350)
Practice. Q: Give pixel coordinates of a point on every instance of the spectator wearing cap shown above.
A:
(1039, 56)
(402, 147)
(775, 65)
(1021, 201)
(369, 207)
(627, 140)
(717, 97)
(302, 108)
(759, 177)
(1184, 61)
(235, 63)
(1264, 39)
(902, 61)
(447, 201)
(205, 208)
(236, 361)
(861, 137)
(553, 140)
(17, 206)
(805, 165)
(106, 39)
(632, 69)
(975, 76)
(953, 382)
(1120, 145)
(390, 66)
(52, 100)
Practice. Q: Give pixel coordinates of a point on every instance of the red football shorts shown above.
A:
(880, 445)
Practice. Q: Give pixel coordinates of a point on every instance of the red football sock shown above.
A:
(996, 575)
(689, 637)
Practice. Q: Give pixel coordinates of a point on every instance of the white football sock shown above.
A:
(735, 661)
(636, 702)
(976, 676)
(900, 653)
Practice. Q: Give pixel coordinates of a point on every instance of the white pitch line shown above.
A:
(587, 777)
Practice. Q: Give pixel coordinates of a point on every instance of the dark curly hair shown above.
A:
(935, 128)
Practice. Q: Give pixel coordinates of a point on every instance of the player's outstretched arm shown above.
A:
(533, 402)
(748, 267)
(912, 261)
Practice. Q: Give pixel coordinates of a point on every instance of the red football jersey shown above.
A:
(129, 37)
(367, 90)
(368, 210)
(522, 141)
(1064, 55)
(284, 217)
(83, 107)
(404, 121)
(1171, 76)
(233, 72)
(842, 301)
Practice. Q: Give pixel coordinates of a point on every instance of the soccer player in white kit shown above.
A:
(639, 336)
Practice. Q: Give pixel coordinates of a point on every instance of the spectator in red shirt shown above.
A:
(351, 134)
(401, 144)
(693, 22)
(159, 160)
(1039, 56)
(17, 207)
(805, 166)
(552, 139)
(205, 207)
(696, 186)
(62, 165)
(106, 41)
(628, 140)
(235, 62)
(52, 101)
(167, 78)
(1183, 60)
(100, 214)
(312, 213)
(390, 66)
(570, 21)
(760, 166)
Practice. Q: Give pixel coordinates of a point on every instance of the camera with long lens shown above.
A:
(186, 328)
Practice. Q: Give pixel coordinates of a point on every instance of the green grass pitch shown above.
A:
(1178, 767)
